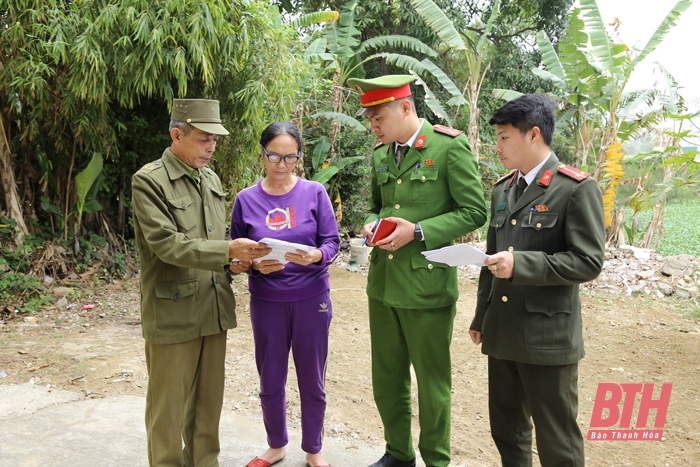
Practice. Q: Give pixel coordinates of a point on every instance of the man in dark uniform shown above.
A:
(546, 236)
(186, 301)
(431, 189)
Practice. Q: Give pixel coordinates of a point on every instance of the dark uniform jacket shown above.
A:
(438, 186)
(556, 232)
(183, 245)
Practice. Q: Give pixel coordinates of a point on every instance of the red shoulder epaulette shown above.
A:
(573, 172)
(447, 130)
(512, 176)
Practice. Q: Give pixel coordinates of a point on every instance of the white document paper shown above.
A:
(280, 248)
(457, 255)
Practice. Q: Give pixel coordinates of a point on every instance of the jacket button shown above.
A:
(391, 256)
(504, 298)
(205, 205)
(184, 205)
(539, 226)
(430, 266)
(210, 228)
(422, 179)
(513, 222)
(510, 248)
(216, 281)
(176, 296)
(398, 181)
(397, 206)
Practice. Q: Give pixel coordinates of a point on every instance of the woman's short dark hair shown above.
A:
(526, 112)
(276, 129)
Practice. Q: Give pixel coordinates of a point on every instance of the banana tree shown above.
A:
(474, 52)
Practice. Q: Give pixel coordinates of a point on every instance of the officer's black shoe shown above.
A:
(388, 460)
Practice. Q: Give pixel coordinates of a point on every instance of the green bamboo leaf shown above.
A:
(441, 25)
(85, 179)
(320, 152)
(346, 161)
(326, 174)
(445, 82)
(347, 120)
(505, 94)
(396, 41)
(549, 55)
(668, 22)
(318, 17)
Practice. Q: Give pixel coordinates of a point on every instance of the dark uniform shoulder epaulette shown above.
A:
(151, 166)
(573, 172)
(447, 130)
(506, 177)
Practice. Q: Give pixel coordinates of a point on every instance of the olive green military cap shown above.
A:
(378, 91)
(202, 114)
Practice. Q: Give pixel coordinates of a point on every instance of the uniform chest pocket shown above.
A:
(497, 221)
(424, 185)
(540, 220)
(218, 202)
(184, 212)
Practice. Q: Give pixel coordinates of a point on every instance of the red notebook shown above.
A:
(382, 230)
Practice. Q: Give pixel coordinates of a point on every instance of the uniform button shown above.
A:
(216, 281)
(205, 205)
(504, 298)
(210, 228)
(184, 205)
(398, 181)
(539, 226)
(176, 296)
(513, 222)
(422, 178)
(510, 248)
(397, 206)
(430, 266)
(391, 256)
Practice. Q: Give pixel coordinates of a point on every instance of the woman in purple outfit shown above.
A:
(290, 304)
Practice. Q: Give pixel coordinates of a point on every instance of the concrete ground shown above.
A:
(59, 428)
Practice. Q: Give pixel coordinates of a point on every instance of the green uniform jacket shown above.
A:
(556, 232)
(438, 186)
(183, 244)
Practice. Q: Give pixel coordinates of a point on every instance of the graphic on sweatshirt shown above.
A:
(278, 218)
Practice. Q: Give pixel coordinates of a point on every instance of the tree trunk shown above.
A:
(9, 185)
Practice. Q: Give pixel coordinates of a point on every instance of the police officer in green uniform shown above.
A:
(186, 301)
(546, 236)
(431, 189)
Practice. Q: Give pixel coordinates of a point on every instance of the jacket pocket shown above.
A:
(218, 200)
(423, 185)
(539, 221)
(548, 321)
(428, 278)
(176, 304)
(184, 212)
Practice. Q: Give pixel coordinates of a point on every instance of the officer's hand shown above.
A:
(268, 266)
(304, 258)
(245, 249)
(501, 264)
(402, 235)
(367, 232)
(238, 267)
(476, 336)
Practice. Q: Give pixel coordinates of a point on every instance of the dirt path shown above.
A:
(634, 339)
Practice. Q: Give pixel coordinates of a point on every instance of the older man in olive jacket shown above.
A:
(424, 178)
(186, 300)
(546, 236)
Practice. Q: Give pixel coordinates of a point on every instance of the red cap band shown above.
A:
(383, 95)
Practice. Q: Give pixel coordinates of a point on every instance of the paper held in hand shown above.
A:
(280, 248)
(457, 255)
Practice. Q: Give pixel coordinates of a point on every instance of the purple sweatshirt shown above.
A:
(304, 215)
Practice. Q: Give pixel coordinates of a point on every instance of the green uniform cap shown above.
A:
(378, 91)
(202, 114)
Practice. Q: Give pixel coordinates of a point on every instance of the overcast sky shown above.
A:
(678, 53)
